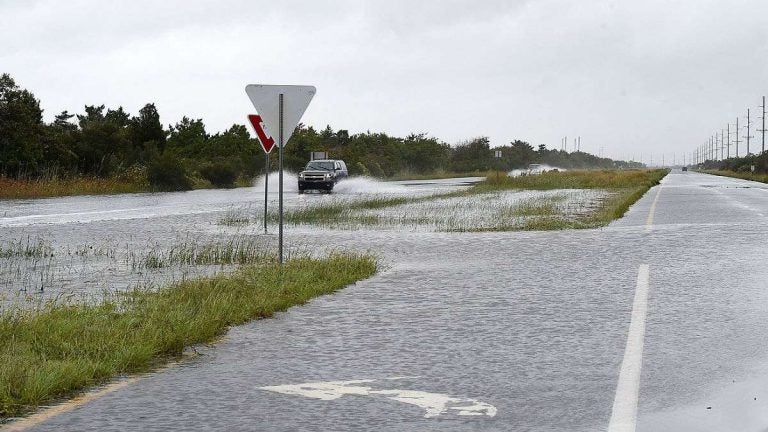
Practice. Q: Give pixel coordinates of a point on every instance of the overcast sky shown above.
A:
(629, 77)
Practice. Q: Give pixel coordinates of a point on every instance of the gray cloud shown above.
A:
(629, 77)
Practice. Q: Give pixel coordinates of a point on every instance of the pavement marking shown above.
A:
(435, 404)
(652, 211)
(624, 413)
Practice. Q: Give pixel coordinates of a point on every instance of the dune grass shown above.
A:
(58, 349)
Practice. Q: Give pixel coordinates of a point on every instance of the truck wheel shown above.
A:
(301, 191)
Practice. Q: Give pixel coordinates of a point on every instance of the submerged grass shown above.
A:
(582, 179)
(624, 187)
(60, 349)
(329, 213)
(239, 250)
(25, 248)
(616, 192)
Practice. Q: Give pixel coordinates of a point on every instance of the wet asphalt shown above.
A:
(532, 323)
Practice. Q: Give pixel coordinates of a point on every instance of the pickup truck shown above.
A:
(322, 175)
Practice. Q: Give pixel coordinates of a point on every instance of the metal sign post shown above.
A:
(266, 188)
(267, 143)
(280, 177)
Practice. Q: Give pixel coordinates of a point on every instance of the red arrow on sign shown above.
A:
(267, 143)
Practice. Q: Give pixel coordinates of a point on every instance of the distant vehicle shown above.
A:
(685, 168)
(322, 175)
(534, 169)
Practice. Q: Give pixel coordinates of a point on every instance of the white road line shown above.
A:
(624, 414)
(652, 211)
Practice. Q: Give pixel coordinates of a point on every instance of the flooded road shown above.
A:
(513, 331)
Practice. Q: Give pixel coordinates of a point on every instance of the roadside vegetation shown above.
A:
(751, 167)
(548, 201)
(108, 150)
(59, 349)
(744, 175)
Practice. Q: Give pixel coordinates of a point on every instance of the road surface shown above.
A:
(655, 323)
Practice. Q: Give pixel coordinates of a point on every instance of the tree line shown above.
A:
(110, 142)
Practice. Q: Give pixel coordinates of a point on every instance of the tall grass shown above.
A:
(60, 349)
(43, 188)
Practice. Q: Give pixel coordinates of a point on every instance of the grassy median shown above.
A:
(617, 191)
(58, 349)
(625, 187)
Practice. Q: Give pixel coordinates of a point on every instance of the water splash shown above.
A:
(349, 186)
(525, 171)
(290, 181)
(367, 185)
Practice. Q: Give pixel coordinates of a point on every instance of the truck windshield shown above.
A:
(316, 165)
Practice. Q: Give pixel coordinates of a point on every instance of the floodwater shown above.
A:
(75, 248)
(81, 248)
(496, 331)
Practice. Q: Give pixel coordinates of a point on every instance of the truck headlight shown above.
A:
(327, 176)
(301, 176)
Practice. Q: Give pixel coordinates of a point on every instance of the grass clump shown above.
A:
(330, 213)
(239, 250)
(25, 249)
(59, 349)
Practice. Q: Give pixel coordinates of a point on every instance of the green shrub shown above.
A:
(220, 174)
(165, 172)
(360, 169)
(376, 170)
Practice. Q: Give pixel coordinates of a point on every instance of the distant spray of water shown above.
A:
(349, 186)
(525, 171)
(290, 181)
(361, 185)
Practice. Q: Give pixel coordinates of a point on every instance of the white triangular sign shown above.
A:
(266, 100)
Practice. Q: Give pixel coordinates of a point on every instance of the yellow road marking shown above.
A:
(47, 413)
(652, 211)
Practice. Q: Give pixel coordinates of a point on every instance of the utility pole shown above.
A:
(578, 147)
(762, 131)
(717, 146)
(749, 124)
(722, 144)
(737, 136)
(728, 130)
